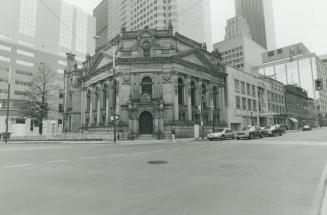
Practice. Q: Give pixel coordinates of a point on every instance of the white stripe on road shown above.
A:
(92, 157)
(18, 165)
(140, 153)
(159, 151)
(116, 155)
(57, 161)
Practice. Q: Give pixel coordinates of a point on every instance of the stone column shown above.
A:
(188, 99)
(108, 115)
(222, 103)
(83, 94)
(91, 106)
(176, 105)
(99, 118)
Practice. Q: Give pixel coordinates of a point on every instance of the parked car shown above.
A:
(273, 130)
(250, 132)
(282, 128)
(221, 134)
(307, 128)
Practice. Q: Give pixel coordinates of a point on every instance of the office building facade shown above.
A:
(36, 32)
(296, 65)
(260, 18)
(189, 17)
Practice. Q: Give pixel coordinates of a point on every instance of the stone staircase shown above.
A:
(146, 137)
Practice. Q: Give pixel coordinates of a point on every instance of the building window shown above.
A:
(238, 102)
(271, 54)
(243, 87)
(253, 91)
(61, 108)
(279, 51)
(248, 89)
(27, 17)
(254, 105)
(146, 49)
(249, 104)
(244, 103)
(237, 85)
(147, 86)
(204, 95)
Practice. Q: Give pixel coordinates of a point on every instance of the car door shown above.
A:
(228, 134)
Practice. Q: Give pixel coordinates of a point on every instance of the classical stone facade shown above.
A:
(163, 81)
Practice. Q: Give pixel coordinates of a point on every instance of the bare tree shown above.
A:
(41, 94)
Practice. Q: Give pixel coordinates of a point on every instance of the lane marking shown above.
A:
(91, 157)
(18, 165)
(159, 151)
(57, 161)
(116, 155)
(140, 153)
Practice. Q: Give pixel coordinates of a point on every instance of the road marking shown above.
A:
(159, 151)
(140, 153)
(319, 202)
(57, 161)
(91, 157)
(116, 155)
(18, 165)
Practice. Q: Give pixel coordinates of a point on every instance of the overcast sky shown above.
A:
(295, 21)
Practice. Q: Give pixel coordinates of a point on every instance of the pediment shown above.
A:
(196, 57)
(104, 61)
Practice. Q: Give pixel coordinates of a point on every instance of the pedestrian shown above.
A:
(173, 134)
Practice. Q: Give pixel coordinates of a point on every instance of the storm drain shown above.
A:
(157, 162)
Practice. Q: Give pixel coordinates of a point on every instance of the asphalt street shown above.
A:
(270, 176)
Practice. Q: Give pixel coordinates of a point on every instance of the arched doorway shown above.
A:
(146, 123)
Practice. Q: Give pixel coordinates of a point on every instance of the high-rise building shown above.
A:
(34, 32)
(237, 26)
(260, 18)
(102, 17)
(189, 17)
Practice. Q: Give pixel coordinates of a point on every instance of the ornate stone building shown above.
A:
(163, 80)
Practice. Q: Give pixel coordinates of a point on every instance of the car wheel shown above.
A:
(223, 137)
(250, 136)
(261, 136)
(238, 138)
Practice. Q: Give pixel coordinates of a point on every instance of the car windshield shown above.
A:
(246, 128)
(219, 130)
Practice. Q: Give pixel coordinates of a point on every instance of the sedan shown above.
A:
(221, 134)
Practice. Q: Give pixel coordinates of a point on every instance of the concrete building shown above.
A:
(299, 107)
(101, 13)
(237, 26)
(260, 18)
(189, 17)
(296, 65)
(240, 52)
(34, 32)
(164, 80)
(253, 100)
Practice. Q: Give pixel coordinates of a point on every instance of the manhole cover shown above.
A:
(157, 162)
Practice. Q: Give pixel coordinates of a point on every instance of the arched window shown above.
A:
(180, 91)
(204, 94)
(147, 86)
(193, 94)
(146, 48)
(215, 97)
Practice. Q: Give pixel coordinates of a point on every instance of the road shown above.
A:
(270, 176)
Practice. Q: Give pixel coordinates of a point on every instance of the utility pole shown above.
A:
(8, 102)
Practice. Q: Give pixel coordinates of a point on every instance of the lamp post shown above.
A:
(213, 118)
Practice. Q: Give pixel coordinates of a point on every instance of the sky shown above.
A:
(295, 21)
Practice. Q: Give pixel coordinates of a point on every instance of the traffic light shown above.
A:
(319, 85)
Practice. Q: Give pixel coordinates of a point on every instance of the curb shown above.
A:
(319, 204)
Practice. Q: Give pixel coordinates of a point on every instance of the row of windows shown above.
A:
(240, 54)
(245, 104)
(20, 93)
(274, 97)
(227, 52)
(276, 108)
(242, 87)
(23, 83)
(24, 73)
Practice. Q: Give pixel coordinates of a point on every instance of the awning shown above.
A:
(294, 120)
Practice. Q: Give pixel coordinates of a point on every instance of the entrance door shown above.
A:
(146, 123)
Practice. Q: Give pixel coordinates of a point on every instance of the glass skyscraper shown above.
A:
(260, 18)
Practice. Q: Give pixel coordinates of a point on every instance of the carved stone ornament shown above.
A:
(126, 77)
(167, 76)
(145, 98)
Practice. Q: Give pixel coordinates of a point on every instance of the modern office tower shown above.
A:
(189, 17)
(260, 18)
(240, 52)
(296, 65)
(102, 17)
(237, 26)
(34, 32)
